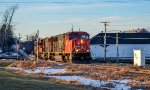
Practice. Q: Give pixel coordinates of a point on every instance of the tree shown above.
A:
(6, 30)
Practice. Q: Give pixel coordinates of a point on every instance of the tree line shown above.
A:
(7, 38)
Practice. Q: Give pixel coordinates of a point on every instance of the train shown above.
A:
(71, 47)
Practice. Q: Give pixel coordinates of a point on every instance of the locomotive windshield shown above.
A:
(72, 36)
(86, 36)
(76, 35)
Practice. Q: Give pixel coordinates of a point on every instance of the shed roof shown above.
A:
(123, 38)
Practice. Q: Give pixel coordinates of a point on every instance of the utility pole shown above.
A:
(105, 43)
(79, 29)
(18, 45)
(72, 28)
(27, 38)
(37, 58)
(117, 41)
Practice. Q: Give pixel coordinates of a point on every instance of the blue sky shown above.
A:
(53, 17)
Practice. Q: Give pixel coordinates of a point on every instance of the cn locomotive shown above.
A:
(71, 47)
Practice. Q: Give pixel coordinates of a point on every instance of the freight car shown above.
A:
(69, 47)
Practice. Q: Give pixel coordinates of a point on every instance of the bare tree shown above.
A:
(6, 31)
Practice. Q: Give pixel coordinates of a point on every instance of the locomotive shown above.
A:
(71, 47)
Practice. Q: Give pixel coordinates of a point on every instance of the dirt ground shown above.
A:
(138, 76)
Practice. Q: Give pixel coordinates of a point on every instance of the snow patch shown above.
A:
(60, 64)
(23, 53)
(45, 70)
(116, 84)
(119, 84)
(14, 68)
(14, 54)
(8, 54)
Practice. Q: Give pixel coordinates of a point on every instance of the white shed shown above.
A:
(127, 42)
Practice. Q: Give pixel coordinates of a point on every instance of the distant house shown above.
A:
(127, 42)
(143, 30)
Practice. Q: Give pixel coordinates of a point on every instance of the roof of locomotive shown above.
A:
(77, 32)
(70, 33)
(80, 32)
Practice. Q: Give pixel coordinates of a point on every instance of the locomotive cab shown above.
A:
(80, 46)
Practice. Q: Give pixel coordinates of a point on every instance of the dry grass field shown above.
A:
(139, 77)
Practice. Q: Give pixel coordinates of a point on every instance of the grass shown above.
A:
(4, 63)
(12, 81)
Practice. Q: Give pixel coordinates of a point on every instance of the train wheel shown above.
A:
(51, 57)
(67, 58)
(46, 57)
(64, 58)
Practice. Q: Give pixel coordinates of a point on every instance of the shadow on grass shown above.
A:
(12, 81)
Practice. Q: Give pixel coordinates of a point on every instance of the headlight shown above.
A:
(82, 41)
(77, 50)
(88, 50)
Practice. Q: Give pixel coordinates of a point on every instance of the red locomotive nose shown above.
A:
(80, 45)
(80, 42)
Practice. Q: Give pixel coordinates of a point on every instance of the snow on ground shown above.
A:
(118, 84)
(14, 68)
(4, 59)
(45, 70)
(3, 54)
(23, 53)
(8, 54)
(61, 64)
(14, 54)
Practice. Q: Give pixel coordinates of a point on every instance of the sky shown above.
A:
(52, 17)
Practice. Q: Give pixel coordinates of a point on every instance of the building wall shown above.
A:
(125, 50)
